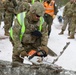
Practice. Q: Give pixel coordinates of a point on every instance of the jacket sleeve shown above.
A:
(16, 36)
(21, 7)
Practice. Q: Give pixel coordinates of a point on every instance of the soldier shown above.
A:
(73, 22)
(50, 12)
(12, 8)
(29, 33)
(8, 19)
(67, 17)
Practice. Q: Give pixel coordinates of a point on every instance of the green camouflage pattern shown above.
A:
(11, 10)
(73, 22)
(68, 17)
(21, 6)
(9, 15)
(67, 14)
(67, 10)
(8, 20)
(28, 42)
(1, 6)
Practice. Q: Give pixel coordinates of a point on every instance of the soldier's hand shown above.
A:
(42, 51)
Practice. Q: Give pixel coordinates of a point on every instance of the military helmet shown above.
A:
(37, 8)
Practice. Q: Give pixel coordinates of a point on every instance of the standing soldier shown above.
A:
(9, 15)
(29, 33)
(13, 8)
(73, 22)
(67, 17)
(50, 13)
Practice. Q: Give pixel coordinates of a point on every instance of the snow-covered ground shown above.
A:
(56, 42)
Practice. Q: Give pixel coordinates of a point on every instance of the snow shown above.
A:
(5, 46)
(56, 42)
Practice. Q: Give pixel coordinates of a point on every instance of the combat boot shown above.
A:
(61, 32)
(71, 37)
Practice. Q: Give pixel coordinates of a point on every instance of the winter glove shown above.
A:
(36, 33)
(41, 53)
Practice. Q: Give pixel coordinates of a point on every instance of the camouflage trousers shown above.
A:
(73, 26)
(67, 21)
(17, 50)
(8, 20)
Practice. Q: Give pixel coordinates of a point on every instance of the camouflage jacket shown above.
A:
(9, 6)
(21, 6)
(14, 7)
(1, 6)
(27, 38)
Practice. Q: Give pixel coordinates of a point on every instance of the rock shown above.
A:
(7, 69)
